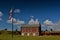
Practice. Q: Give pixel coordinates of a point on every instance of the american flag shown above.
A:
(10, 16)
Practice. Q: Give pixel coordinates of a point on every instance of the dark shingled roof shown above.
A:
(32, 25)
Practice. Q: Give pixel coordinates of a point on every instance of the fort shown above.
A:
(34, 30)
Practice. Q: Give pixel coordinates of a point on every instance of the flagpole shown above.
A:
(12, 26)
(11, 18)
(12, 23)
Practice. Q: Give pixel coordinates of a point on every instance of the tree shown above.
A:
(46, 30)
(5, 29)
(51, 29)
(16, 30)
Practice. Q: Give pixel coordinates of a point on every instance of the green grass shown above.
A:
(18, 37)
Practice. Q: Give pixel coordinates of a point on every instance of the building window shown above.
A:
(37, 33)
(28, 34)
(33, 34)
(22, 34)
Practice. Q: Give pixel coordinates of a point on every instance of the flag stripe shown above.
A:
(10, 14)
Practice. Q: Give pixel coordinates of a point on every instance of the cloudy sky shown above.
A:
(46, 11)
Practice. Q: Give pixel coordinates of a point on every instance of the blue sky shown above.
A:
(41, 9)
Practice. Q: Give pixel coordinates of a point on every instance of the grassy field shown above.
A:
(18, 37)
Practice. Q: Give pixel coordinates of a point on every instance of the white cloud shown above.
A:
(18, 22)
(42, 25)
(48, 23)
(1, 13)
(0, 19)
(15, 22)
(17, 11)
(32, 16)
(36, 21)
(10, 21)
(32, 21)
